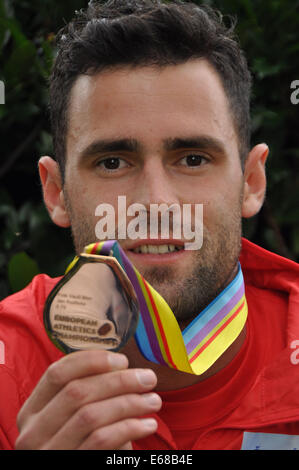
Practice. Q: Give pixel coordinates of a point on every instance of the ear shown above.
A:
(52, 190)
(254, 180)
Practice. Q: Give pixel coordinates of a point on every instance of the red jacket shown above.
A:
(257, 393)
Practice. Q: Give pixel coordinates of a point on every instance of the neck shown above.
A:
(170, 379)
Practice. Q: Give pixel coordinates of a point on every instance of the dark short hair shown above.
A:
(147, 33)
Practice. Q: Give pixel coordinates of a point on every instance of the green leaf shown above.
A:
(20, 61)
(13, 26)
(25, 212)
(21, 270)
(2, 30)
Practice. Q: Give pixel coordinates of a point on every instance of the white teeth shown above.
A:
(163, 249)
(156, 249)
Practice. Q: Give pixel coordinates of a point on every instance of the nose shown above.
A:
(154, 185)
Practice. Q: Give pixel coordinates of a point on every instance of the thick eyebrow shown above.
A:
(132, 145)
(203, 142)
(108, 145)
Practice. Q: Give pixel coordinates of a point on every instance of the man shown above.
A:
(151, 101)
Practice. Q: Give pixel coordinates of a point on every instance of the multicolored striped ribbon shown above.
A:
(158, 335)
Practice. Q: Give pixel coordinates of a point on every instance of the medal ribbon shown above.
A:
(158, 335)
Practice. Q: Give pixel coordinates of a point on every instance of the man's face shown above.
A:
(153, 108)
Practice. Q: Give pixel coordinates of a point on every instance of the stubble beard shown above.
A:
(211, 269)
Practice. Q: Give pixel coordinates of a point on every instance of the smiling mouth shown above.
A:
(157, 249)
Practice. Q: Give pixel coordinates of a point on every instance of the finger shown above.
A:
(126, 446)
(44, 425)
(81, 392)
(113, 437)
(73, 366)
(97, 415)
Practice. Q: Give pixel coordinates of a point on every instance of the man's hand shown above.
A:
(89, 400)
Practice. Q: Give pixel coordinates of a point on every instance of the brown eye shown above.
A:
(111, 163)
(194, 160)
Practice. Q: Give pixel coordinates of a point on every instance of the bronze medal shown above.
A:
(94, 306)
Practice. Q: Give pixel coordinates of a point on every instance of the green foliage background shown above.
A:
(29, 242)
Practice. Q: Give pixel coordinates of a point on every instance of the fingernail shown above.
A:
(146, 377)
(117, 361)
(149, 423)
(152, 400)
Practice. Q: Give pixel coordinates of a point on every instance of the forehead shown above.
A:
(150, 104)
